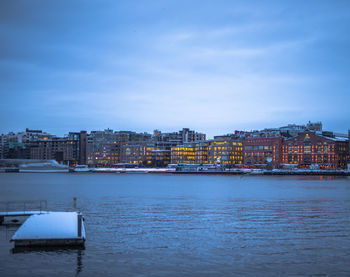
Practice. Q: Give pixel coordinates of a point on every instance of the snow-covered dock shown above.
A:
(51, 229)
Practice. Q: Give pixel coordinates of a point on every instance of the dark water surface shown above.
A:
(167, 225)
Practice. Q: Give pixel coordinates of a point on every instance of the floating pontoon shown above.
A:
(51, 229)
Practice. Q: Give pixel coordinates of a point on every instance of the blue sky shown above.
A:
(212, 66)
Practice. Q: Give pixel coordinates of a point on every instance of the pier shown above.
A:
(15, 209)
(43, 228)
(51, 229)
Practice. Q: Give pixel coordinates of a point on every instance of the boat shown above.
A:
(81, 168)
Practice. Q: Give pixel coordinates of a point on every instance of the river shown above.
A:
(188, 225)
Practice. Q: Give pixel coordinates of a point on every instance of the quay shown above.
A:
(218, 171)
(264, 172)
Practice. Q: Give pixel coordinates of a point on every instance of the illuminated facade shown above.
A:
(224, 152)
(134, 153)
(144, 154)
(100, 159)
(309, 148)
(304, 146)
(202, 154)
(190, 153)
(227, 153)
(183, 154)
(259, 151)
(107, 154)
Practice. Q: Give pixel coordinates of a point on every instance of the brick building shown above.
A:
(258, 151)
(322, 150)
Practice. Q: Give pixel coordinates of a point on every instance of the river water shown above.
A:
(188, 225)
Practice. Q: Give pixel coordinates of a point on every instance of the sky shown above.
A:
(212, 66)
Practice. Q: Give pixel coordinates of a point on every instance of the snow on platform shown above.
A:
(51, 226)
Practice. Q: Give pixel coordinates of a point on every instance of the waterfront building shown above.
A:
(108, 136)
(14, 148)
(69, 150)
(132, 153)
(147, 156)
(314, 126)
(137, 153)
(107, 155)
(186, 146)
(33, 135)
(259, 151)
(159, 157)
(79, 141)
(103, 148)
(140, 149)
(108, 147)
(18, 145)
(225, 152)
(316, 150)
(190, 153)
(202, 152)
(188, 135)
(272, 146)
(178, 138)
(59, 149)
(292, 130)
(144, 154)
(185, 153)
(98, 138)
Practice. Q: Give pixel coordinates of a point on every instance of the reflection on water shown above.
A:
(77, 252)
(79, 262)
(72, 252)
(164, 225)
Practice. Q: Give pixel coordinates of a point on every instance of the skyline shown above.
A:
(144, 66)
(268, 129)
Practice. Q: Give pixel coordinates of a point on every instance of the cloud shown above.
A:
(136, 66)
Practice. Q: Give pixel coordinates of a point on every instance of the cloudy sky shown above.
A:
(212, 66)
